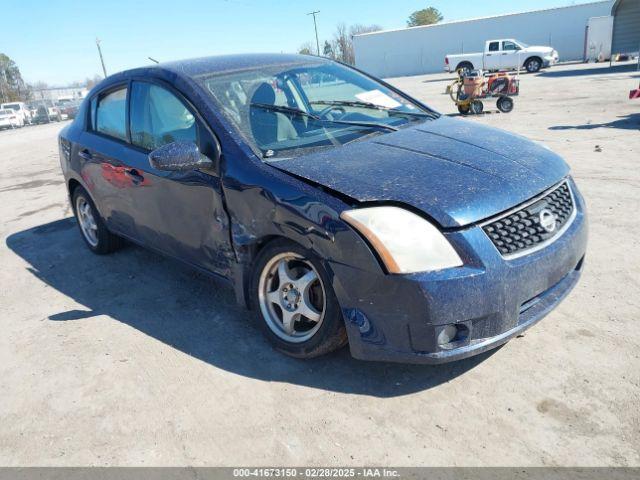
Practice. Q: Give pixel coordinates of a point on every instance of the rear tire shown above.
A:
(92, 228)
(505, 104)
(289, 283)
(466, 67)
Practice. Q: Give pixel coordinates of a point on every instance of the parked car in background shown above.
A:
(22, 111)
(503, 54)
(69, 110)
(46, 114)
(337, 207)
(9, 119)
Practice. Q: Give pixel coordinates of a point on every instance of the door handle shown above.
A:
(134, 175)
(85, 154)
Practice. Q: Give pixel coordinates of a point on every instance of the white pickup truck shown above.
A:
(503, 54)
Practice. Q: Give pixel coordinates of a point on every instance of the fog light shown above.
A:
(452, 336)
(447, 334)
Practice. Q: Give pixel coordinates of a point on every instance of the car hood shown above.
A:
(456, 171)
(539, 48)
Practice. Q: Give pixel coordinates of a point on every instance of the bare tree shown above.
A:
(342, 43)
(89, 83)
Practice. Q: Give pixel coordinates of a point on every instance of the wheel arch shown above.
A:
(533, 57)
(463, 64)
(72, 184)
(246, 267)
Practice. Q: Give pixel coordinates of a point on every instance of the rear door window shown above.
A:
(159, 117)
(494, 46)
(111, 114)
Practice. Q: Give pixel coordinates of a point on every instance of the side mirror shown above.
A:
(179, 157)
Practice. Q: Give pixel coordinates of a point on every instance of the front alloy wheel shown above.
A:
(298, 309)
(533, 65)
(292, 297)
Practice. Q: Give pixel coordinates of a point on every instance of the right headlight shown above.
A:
(405, 242)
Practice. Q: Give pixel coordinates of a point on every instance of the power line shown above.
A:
(315, 24)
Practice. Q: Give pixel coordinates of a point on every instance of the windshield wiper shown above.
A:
(302, 113)
(373, 106)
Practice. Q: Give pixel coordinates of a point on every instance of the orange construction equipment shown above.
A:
(470, 87)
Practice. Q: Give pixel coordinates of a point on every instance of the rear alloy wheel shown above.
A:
(94, 232)
(466, 68)
(296, 303)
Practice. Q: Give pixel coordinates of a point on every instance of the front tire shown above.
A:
(92, 228)
(296, 305)
(533, 65)
(464, 109)
(477, 107)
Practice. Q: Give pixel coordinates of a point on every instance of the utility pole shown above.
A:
(104, 70)
(315, 24)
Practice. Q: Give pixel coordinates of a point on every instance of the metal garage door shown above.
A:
(626, 26)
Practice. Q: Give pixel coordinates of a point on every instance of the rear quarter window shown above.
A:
(111, 114)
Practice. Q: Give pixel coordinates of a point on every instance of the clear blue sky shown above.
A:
(53, 40)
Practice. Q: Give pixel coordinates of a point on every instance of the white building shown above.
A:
(416, 50)
(60, 93)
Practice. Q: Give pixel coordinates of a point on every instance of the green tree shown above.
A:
(306, 49)
(12, 87)
(426, 16)
(327, 50)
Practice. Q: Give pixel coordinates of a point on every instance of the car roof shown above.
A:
(228, 63)
(219, 64)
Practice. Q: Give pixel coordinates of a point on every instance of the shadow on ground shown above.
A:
(581, 71)
(190, 312)
(627, 122)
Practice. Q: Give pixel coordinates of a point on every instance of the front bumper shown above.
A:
(399, 317)
(550, 60)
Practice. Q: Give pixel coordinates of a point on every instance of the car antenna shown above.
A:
(153, 60)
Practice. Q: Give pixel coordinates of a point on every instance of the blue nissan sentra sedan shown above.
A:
(340, 209)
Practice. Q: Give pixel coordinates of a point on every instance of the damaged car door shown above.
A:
(179, 212)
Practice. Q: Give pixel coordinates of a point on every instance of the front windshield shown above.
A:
(286, 111)
(13, 106)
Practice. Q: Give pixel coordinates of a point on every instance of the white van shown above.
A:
(22, 112)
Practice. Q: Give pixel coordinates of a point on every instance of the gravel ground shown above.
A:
(134, 360)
